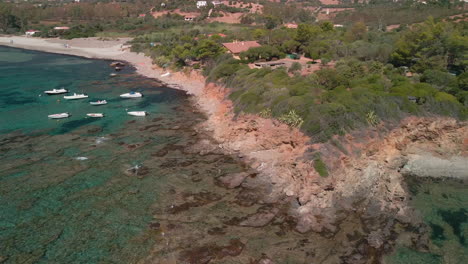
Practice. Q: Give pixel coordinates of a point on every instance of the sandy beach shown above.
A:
(108, 49)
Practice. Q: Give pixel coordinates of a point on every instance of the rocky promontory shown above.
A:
(366, 168)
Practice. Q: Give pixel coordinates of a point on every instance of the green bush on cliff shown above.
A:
(320, 167)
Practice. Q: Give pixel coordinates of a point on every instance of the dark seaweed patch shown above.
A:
(455, 219)
(71, 125)
(437, 232)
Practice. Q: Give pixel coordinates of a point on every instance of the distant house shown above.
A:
(201, 4)
(338, 25)
(31, 32)
(290, 25)
(61, 28)
(189, 18)
(217, 3)
(240, 46)
(142, 15)
(217, 34)
(77, 1)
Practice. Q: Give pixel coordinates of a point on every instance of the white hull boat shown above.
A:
(59, 116)
(99, 102)
(137, 113)
(113, 74)
(75, 96)
(95, 114)
(131, 95)
(56, 91)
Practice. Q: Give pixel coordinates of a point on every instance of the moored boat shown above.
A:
(117, 64)
(113, 74)
(56, 91)
(131, 95)
(75, 96)
(59, 116)
(95, 114)
(137, 113)
(98, 102)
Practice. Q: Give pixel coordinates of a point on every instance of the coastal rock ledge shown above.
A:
(366, 168)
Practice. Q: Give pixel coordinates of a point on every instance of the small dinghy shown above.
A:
(137, 113)
(56, 91)
(59, 116)
(75, 96)
(95, 114)
(98, 102)
(117, 64)
(113, 74)
(131, 95)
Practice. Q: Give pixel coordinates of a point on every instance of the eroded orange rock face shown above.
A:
(364, 166)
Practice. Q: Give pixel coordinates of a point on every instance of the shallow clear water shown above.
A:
(55, 207)
(443, 207)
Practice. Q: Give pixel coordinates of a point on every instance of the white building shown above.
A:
(31, 32)
(201, 4)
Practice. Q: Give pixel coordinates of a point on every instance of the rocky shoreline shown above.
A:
(363, 197)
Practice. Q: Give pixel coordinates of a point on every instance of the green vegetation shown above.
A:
(379, 14)
(365, 75)
(320, 167)
(291, 119)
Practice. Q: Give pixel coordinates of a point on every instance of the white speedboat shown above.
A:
(98, 102)
(59, 116)
(131, 95)
(95, 114)
(75, 96)
(56, 91)
(113, 74)
(137, 113)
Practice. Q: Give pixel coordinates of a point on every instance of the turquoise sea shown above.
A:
(125, 189)
(55, 207)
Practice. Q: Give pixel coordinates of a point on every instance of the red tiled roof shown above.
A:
(238, 47)
(219, 34)
(291, 25)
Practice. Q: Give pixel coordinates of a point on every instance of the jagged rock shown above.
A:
(233, 180)
(376, 239)
(260, 219)
(427, 165)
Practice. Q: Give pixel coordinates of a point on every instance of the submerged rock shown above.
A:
(233, 180)
(261, 218)
(207, 253)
